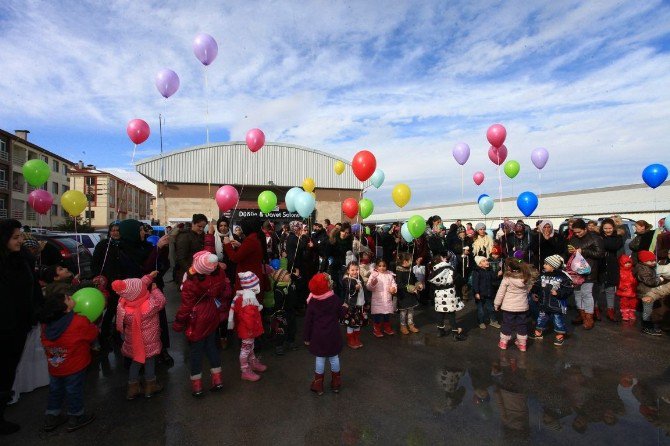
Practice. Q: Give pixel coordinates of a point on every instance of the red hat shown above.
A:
(496, 250)
(320, 284)
(204, 262)
(646, 256)
(129, 289)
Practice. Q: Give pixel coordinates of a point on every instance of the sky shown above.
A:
(407, 80)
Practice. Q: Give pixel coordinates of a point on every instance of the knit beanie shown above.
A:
(555, 261)
(248, 280)
(496, 250)
(129, 289)
(646, 256)
(479, 260)
(479, 226)
(204, 262)
(320, 284)
(280, 275)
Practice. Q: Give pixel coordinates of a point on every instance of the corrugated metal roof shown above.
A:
(286, 165)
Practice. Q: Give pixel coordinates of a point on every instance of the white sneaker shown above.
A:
(494, 324)
(482, 326)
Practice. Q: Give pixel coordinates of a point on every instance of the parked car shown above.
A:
(89, 240)
(61, 249)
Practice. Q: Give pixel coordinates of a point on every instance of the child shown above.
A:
(482, 287)
(58, 279)
(67, 339)
(408, 292)
(354, 297)
(627, 289)
(137, 319)
(322, 330)
(648, 290)
(383, 287)
(245, 316)
(512, 298)
(496, 264)
(205, 294)
(552, 289)
(446, 302)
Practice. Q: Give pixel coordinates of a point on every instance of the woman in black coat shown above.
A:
(609, 271)
(642, 240)
(20, 298)
(546, 243)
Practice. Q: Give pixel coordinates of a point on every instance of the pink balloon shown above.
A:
(138, 130)
(496, 135)
(226, 198)
(255, 139)
(40, 200)
(499, 155)
(478, 178)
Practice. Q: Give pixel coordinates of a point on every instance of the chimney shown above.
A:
(80, 165)
(23, 134)
(90, 167)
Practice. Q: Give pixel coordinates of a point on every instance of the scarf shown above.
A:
(320, 296)
(136, 338)
(218, 243)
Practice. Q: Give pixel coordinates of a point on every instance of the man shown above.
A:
(328, 226)
(188, 242)
(320, 240)
(591, 246)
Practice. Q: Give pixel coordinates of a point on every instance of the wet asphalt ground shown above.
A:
(607, 386)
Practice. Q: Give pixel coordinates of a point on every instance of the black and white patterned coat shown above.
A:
(442, 279)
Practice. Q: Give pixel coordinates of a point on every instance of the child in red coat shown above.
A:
(245, 316)
(627, 289)
(137, 319)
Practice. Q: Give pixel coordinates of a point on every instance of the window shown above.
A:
(90, 214)
(63, 213)
(45, 159)
(55, 166)
(2, 203)
(64, 169)
(90, 181)
(54, 210)
(3, 175)
(54, 188)
(65, 188)
(45, 186)
(111, 215)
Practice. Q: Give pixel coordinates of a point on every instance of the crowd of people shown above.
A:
(253, 280)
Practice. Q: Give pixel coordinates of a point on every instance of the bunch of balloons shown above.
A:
(300, 201)
(37, 172)
(413, 228)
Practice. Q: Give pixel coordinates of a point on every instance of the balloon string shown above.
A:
(462, 181)
(76, 235)
(209, 171)
(500, 189)
(239, 196)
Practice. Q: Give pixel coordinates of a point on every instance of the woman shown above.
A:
(642, 239)
(238, 233)
(222, 231)
(20, 298)
(546, 243)
(187, 243)
(609, 279)
(250, 254)
(482, 243)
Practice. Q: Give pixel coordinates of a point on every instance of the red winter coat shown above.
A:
(248, 322)
(70, 351)
(627, 281)
(150, 325)
(249, 257)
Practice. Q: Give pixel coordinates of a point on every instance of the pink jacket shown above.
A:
(382, 298)
(513, 294)
(151, 330)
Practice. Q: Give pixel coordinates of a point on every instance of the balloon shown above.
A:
(167, 82)
(461, 153)
(255, 139)
(312, 194)
(404, 231)
(478, 178)
(339, 167)
(518, 254)
(655, 175)
(512, 168)
(275, 264)
(539, 157)
(36, 172)
(499, 155)
(355, 228)
(308, 184)
(365, 207)
(480, 197)
(304, 204)
(89, 302)
(377, 178)
(486, 205)
(267, 201)
(226, 198)
(350, 207)
(401, 194)
(205, 48)
(527, 203)
(138, 130)
(496, 135)
(364, 165)
(416, 225)
(289, 199)
(40, 200)
(74, 202)
(153, 239)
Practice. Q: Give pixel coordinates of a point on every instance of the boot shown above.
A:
(217, 380)
(596, 314)
(624, 315)
(387, 329)
(151, 387)
(579, 320)
(351, 340)
(404, 330)
(377, 330)
(441, 332)
(521, 342)
(317, 384)
(631, 315)
(413, 329)
(248, 374)
(611, 315)
(257, 365)
(196, 386)
(588, 321)
(134, 390)
(357, 338)
(335, 382)
(504, 339)
(6, 427)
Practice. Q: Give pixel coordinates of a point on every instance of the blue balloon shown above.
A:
(275, 264)
(527, 203)
(481, 196)
(655, 175)
(377, 178)
(289, 199)
(486, 205)
(355, 228)
(404, 231)
(153, 239)
(304, 203)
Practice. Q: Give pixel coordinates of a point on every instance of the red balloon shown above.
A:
(478, 178)
(138, 130)
(255, 139)
(496, 135)
(499, 155)
(364, 165)
(350, 207)
(40, 200)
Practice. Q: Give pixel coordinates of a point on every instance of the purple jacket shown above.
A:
(322, 326)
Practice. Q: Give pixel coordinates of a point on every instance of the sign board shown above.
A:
(280, 214)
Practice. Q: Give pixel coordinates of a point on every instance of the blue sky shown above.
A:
(590, 81)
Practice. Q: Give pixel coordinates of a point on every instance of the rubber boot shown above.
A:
(521, 342)
(217, 380)
(611, 315)
(413, 329)
(387, 329)
(404, 330)
(151, 387)
(335, 382)
(631, 315)
(596, 314)
(624, 315)
(579, 320)
(351, 340)
(196, 386)
(377, 330)
(134, 390)
(6, 427)
(441, 332)
(504, 339)
(357, 338)
(257, 365)
(248, 374)
(588, 321)
(317, 384)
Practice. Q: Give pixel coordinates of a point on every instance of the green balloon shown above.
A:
(416, 225)
(89, 302)
(267, 201)
(365, 207)
(36, 172)
(512, 168)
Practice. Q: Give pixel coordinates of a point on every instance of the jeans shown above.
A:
(442, 317)
(584, 297)
(321, 364)
(647, 308)
(69, 387)
(209, 348)
(149, 370)
(485, 310)
(558, 319)
(610, 292)
(379, 318)
(514, 322)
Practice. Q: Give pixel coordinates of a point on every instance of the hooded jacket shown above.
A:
(513, 293)
(593, 250)
(67, 344)
(646, 279)
(627, 281)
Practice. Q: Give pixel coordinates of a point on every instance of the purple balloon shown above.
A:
(461, 153)
(205, 48)
(167, 82)
(539, 157)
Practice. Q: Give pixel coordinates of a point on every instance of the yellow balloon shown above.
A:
(339, 167)
(74, 202)
(308, 184)
(401, 194)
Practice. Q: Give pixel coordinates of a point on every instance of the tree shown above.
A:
(68, 226)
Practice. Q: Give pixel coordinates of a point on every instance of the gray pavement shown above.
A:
(606, 386)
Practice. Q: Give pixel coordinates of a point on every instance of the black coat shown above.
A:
(20, 295)
(609, 271)
(593, 250)
(482, 282)
(405, 280)
(543, 248)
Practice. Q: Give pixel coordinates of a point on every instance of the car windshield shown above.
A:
(68, 242)
(85, 239)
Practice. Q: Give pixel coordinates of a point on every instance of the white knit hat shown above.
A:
(248, 280)
(555, 261)
(479, 259)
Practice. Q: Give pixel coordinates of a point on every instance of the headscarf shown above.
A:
(544, 223)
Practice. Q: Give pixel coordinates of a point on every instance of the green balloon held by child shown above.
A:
(89, 302)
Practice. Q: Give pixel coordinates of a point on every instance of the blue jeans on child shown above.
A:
(379, 318)
(70, 388)
(208, 347)
(558, 319)
(321, 364)
(485, 310)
